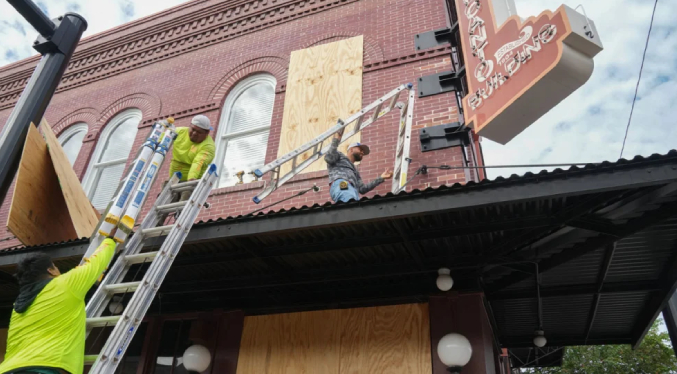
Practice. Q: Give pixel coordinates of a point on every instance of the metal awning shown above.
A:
(603, 236)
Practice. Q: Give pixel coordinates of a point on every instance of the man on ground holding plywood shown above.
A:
(344, 179)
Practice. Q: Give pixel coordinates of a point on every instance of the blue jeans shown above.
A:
(337, 194)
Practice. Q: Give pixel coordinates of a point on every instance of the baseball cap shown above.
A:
(202, 122)
(363, 147)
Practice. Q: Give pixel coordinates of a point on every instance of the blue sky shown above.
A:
(586, 127)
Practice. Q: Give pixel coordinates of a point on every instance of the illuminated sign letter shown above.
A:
(520, 69)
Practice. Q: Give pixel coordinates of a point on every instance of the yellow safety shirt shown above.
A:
(191, 159)
(51, 332)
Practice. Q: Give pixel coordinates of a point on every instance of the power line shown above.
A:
(632, 108)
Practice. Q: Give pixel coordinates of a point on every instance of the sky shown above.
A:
(588, 126)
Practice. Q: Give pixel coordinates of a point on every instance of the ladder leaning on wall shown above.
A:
(118, 221)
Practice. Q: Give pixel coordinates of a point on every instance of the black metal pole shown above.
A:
(56, 43)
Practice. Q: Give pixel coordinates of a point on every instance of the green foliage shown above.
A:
(654, 356)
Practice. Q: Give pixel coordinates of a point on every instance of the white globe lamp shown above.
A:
(116, 307)
(197, 358)
(454, 350)
(444, 281)
(539, 339)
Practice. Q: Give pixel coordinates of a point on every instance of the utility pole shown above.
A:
(56, 43)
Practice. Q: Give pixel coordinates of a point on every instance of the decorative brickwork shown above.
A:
(184, 61)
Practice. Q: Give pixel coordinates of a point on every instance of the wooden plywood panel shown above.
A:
(38, 213)
(323, 85)
(391, 339)
(82, 213)
(291, 343)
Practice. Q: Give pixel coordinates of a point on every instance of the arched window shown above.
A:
(242, 136)
(71, 140)
(112, 151)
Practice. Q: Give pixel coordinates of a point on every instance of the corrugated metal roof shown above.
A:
(490, 244)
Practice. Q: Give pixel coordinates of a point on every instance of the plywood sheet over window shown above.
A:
(390, 339)
(324, 84)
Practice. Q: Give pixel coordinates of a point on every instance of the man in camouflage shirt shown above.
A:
(344, 179)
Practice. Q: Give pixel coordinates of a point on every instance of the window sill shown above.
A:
(238, 188)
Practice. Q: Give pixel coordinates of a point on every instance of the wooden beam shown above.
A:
(38, 213)
(227, 348)
(82, 213)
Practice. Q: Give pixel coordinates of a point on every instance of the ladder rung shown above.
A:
(156, 231)
(102, 321)
(185, 186)
(122, 287)
(140, 258)
(90, 359)
(170, 207)
(376, 112)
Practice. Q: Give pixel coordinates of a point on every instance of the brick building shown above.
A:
(188, 60)
(356, 278)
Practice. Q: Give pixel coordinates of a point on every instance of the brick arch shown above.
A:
(372, 50)
(276, 66)
(86, 115)
(149, 104)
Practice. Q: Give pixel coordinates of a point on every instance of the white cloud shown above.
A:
(590, 124)
(586, 127)
(17, 35)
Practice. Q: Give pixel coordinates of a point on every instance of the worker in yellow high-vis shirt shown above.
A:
(193, 151)
(47, 328)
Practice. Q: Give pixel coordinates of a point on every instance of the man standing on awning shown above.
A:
(344, 179)
(193, 151)
(47, 329)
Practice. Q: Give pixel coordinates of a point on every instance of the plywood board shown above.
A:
(391, 339)
(38, 213)
(290, 343)
(323, 85)
(82, 213)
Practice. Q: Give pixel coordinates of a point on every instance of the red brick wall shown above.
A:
(196, 79)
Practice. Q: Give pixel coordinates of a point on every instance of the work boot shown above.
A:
(185, 195)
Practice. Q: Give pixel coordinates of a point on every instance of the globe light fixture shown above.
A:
(539, 339)
(197, 358)
(116, 307)
(444, 281)
(454, 350)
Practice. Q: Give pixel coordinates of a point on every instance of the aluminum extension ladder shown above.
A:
(160, 261)
(358, 121)
(114, 223)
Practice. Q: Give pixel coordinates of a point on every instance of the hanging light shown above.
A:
(454, 350)
(539, 339)
(116, 307)
(197, 358)
(444, 281)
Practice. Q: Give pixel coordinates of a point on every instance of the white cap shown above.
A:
(202, 122)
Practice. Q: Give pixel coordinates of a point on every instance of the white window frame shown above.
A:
(91, 177)
(223, 135)
(67, 134)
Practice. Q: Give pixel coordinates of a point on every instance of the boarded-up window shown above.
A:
(324, 84)
(244, 127)
(112, 151)
(389, 339)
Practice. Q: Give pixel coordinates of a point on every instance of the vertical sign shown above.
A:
(517, 70)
